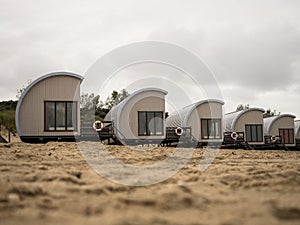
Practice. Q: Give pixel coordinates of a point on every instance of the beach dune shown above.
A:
(53, 184)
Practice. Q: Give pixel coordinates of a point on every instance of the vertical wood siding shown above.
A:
(282, 123)
(144, 101)
(207, 110)
(56, 88)
(250, 117)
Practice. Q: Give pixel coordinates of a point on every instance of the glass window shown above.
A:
(71, 116)
(287, 136)
(150, 123)
(142, 123)
(218, 128)
(159, 123)
(50, 116)
(291, 136)
(254, 133)
(248, 133)
(204, 129)
(211, 128)
(60, 116)
(281, 133)
(259, 133)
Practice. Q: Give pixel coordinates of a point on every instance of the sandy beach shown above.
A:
(53, 184)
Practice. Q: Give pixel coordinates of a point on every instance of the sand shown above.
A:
(53, 184)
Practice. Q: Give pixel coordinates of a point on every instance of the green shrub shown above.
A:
(7, 118)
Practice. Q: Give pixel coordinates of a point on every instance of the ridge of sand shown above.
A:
(52, 184)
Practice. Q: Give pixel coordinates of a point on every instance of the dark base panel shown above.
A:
(141, 141)
(45, 139)
(162, 142)
(298, 142)
(210, 144)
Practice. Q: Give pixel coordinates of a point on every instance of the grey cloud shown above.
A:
(261, 59)
(252, 46)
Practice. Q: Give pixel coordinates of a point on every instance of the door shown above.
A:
(287, 136)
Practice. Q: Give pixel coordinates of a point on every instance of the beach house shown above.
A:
(49, 108)
(246, 125)
(281, 126)
(205, 118)
(140, 118)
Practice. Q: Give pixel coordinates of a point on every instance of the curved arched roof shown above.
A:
(31, 85)
(123, 103)
(232, 118)
(268, 122)
(180, 117)
(297, 127)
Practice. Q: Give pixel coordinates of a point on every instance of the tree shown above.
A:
(88, 106)
(7, 114)
(115, 98)
(8, 105)
(89, 101)
(270, 113)
(241, 107)
(101, 112)
(92, 107)
(22, 89)
(122, 95)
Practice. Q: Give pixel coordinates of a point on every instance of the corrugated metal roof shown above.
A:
(268, 122)
(232, 118)
(111, 115)
(180, 117)
(297, 128)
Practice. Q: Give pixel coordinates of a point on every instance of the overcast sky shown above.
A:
(252, 47)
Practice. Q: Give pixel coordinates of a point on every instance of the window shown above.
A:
(60, 116)
(211, 128)
(254, 133)
(287, 136)
(150, 123)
